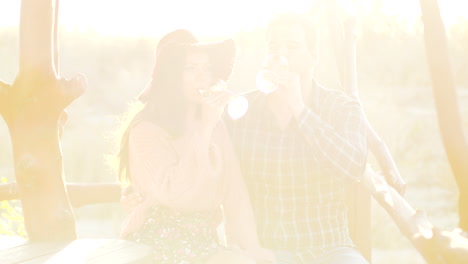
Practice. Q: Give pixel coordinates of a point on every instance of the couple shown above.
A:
(281, 171)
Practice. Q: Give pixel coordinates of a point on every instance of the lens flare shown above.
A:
(237, 107)
(266, 81)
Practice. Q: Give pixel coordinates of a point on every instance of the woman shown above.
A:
(176, 153)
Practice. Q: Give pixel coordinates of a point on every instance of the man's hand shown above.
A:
(129, 199)
(290, 92)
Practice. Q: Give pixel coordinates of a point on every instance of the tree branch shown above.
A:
(443, 86)
(435, 246)
(71, 89)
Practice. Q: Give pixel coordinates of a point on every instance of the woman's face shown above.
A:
(197, 75)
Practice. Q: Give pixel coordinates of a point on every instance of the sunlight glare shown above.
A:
(205, 17)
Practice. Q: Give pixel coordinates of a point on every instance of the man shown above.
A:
(299, 148)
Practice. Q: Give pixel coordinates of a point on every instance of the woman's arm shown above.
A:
(182, 179)
(162, 176)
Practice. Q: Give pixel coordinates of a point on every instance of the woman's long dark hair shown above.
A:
(162, 102)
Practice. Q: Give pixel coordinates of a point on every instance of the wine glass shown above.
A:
(267, 78)
(238, 104)
(266, 81)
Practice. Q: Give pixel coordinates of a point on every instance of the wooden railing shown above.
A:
(80, 194)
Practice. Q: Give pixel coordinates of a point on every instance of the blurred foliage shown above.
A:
(11, 220)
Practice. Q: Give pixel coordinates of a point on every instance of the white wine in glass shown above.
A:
(267, 78)
(238, 104)
(266, 81)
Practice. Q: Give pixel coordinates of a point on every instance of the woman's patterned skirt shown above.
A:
(179, 237)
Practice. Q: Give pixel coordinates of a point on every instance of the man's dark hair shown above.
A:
(293, 19)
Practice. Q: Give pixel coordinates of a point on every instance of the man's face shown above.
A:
(290, 41)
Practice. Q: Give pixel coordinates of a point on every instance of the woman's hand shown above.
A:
(129, 199)
(213, 105)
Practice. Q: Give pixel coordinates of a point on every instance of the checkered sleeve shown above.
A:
(339, 132)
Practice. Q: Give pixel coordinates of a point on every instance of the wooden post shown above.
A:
(446, 102)
(31, 107)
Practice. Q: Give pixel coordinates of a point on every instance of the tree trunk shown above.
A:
(446, 102)
(31, 107)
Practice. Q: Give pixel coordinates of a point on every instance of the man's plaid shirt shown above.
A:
(297, 177)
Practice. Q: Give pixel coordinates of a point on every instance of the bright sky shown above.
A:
(153, 18)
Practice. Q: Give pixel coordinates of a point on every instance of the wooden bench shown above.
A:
(89, 251)
(84, 250)
(103, 250)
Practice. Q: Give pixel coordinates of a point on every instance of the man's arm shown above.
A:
(339, 132)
